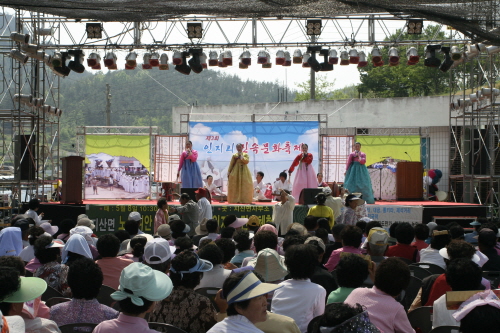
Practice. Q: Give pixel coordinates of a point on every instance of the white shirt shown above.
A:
(213, 236)
(212, 188)
(235, 324)
(301, 300)
(261, 187)
(205, 210)
(279, 185)
(214, 278)
(34, 216)
(432, 256)
(335, 204)
(283, 214)
(27, 253)
(441, 316)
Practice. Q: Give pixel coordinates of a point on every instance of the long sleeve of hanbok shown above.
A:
(193, 157)
(307, 160)
(181, 162)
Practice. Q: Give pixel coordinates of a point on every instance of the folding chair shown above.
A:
(56, 300)
(49, 293)
(210, 293)
(445, 329)
(411, 292)
(433, 268)
(104, 296)
(162, 327)
(71, 328)
(421, 318)
(419, 272)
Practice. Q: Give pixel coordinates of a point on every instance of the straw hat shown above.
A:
(270, 265)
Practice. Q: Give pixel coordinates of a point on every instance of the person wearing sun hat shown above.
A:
(140, 288)
(49, 228)
(246, 297)
(270, 265)
(239, 223)
(471, 237)
(349, 216)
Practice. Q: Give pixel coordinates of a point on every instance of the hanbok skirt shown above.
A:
(240, 185)
(191, 175)
(357, 179)
(305, 177)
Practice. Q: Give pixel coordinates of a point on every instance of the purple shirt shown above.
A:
(384, 311)
(81, 311)
(124, 324)
(334, 259)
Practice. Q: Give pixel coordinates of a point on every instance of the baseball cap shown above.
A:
(174, 217)
(327, 190)
(249, 287)
(253, 221)
(23, 224)
(139, 280)
(30, 288)
(238, 223)
(49, 228)
(86, 222)
(201, 191)
(159, 248)
(164, 230)
(134, 216)
(321, 244)
(378, 236)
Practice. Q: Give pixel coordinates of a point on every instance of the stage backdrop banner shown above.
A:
(272, 146)
(388, 214)
(378, 148)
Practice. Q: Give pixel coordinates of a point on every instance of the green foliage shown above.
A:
(324, 89)
(405, 80)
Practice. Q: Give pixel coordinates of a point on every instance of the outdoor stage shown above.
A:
(110, 215)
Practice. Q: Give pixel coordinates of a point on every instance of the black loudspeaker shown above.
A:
(25, 169)
(307, 196)
(190, 191)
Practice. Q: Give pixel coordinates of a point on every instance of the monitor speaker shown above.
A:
(307, 195)
(25, 157)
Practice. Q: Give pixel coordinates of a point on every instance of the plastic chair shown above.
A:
(411, 292)
(421, 318)
(434, 269)
(71, 328)
(162, 327)
(56, 300)
(493, 277)
(419, 272)
(50, 293)
(104, 296)
(210, 293)
(445, 329)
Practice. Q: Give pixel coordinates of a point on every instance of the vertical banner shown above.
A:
(117, 166)
(272, 146)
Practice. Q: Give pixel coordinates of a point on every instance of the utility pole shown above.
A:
(108, 105)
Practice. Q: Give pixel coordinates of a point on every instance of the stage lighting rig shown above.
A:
(203, 60)
(146, 61)
(344, 58)
(62, 69)
(262, 57)
(19, 56)
(227, 58)
(195, 62)
(76, 65)
(94, 30)
(333, 58)
(325, 65)
(313, 27)
(154, 61)
(20, 38)
(177, 58)
(194, 30)
(183, 67)
(213, 58)
(288, 59)
(305, 60)
(221, 63)
(447, 61)
(163, 62)
(455, 53)
(246, 58)
(413, 57)
(393, 56)
(430, 55)
(362, 59)
(131, 59)
(377, 57)
(110, 60)
(415, 26)
(353, 56)
(297, 56)
(312, 61)
(280, 57)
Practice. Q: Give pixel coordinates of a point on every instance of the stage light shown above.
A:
(393, 56)
(131, 59)
(492, 49)
(447, 62)
(456, 54)
(20, 38)
(110, 59)
(413, 57)
(163, 62)
(29, 48)
(47, 59)
(313, 27)
(146, 63)
(288, 59)
(415, 26)
(268, 63)
(472, 49)
(46, 108)
(39, 55)
(94, 30)
(280, 58)
(38, 102)
(56, 59)
(464, 102)
(94, 61)
(194, 62)
(313, 62)
(262, 57)
(62, 70)
(242, 65)
(203, 60)
(154, 61)
(353, 56)
(246, 59)
(183, 68)
(473, 98)
(221, 63)
(213, 58)
(325, 65)
(227, 58)
(481, 47)
(333, 58)
(194, 30)
(45, 31)
(430, 55)
(488, 92)
(305, 58)
(376, 55)
(19, 56)
(344, 58)
(297, 56)
(76, 65)
(362, 60)
(177, 58)
(23, 99)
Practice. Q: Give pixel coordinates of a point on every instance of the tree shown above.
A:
(405, 80)
(324, 89)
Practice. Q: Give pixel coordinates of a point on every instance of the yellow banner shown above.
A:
(120, 148)
(378, 148)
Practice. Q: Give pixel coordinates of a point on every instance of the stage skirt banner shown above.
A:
(117, 166)
(379, 148)
(272, 146)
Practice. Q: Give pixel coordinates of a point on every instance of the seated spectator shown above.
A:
(321, 275)
(111, 266)
(158, 255)
(212, 227)
(369, 226)
(486, 243)
(238, 223)
(243, 243)
(351, 241)
(324, 224)
(311, 224)
(140, 288)
(339, 317)
(392, 233)
(480, 313)
(185, 308)
(11, 241)
(457, 232)
(421, 234)
(391, 278)
(85, 280)
(15, 290)
(28, 253)
(227, 232)
(228, 248)
(49, 228)
(351, 272)
(321, 210)
(47, 251)
(135, 248)
(270, 265)
(228, 220)
(89, 236)
(131, 227)
(164, 232)
(253, 224)
(179, 229)
(336, 243)
(247, 303)
(362, 225)
(300, 261)
(184, 243)
(215, 277)
(64, 227)
(293, 240)
(263, 239)
(76, 247)
(377, 242)
(471, 237)
(297, 226)
(124, 238)
(403, 249)
(25, 224)
(431, 226)
(161, 216)
(461, 274)
(440, 238)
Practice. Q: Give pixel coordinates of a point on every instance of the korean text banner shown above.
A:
(272, 146)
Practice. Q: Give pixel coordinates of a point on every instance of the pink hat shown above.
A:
(268, 227)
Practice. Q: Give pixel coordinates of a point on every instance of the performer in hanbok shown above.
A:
(211, 187)
(191, 174)
(240, 184)
(306, 176)
(357, 179)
